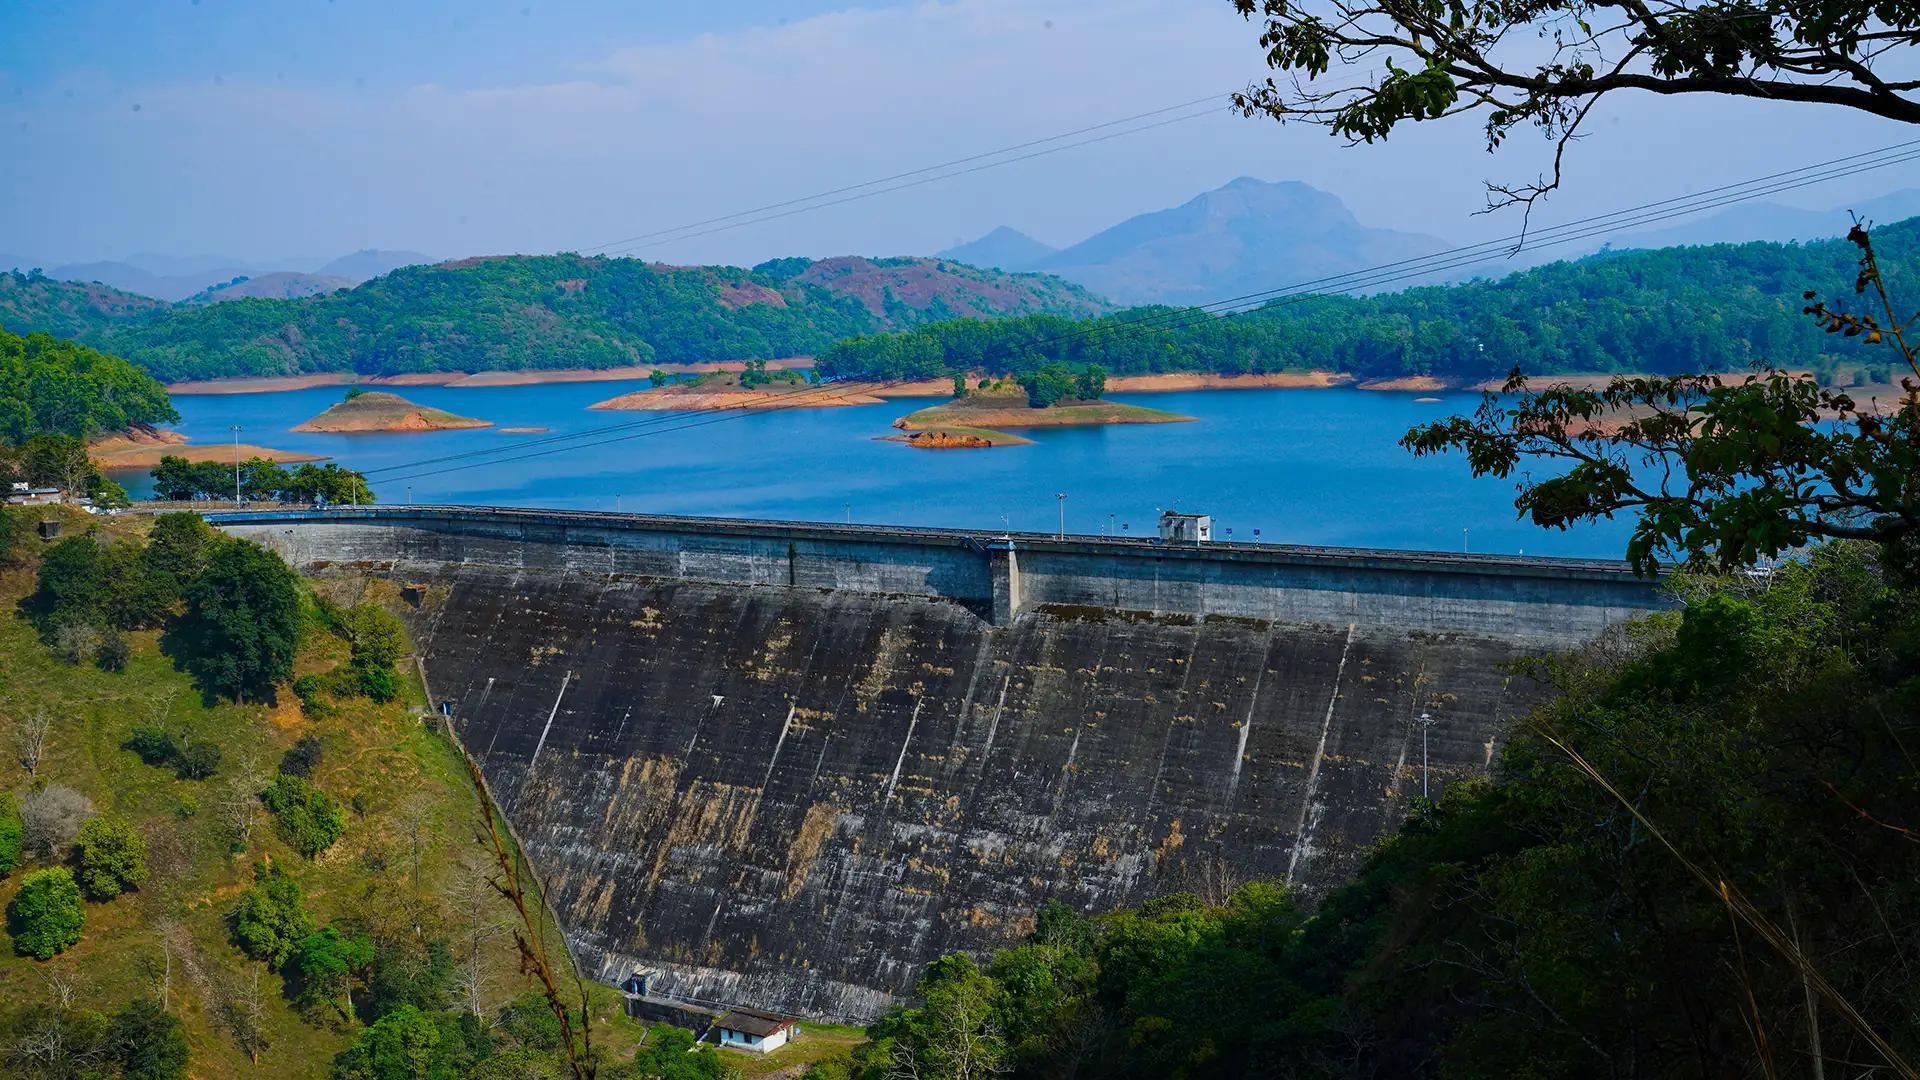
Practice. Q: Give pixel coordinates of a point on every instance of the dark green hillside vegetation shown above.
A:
(1539, 923)
(525, 312)
(53, 387)
(1672, 310)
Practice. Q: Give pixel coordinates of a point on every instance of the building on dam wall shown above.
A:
(786, 765)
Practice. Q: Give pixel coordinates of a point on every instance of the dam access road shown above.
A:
(788, 764)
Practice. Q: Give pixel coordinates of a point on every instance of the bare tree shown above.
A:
(75, 642)
(30, 740)
(472, 901)
(241, 799)
(51, 816)
(244, 1010)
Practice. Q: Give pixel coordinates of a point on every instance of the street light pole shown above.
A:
(236, 465)
(1426, 725)
(1062, 496)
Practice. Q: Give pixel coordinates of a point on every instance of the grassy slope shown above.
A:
(405, 771)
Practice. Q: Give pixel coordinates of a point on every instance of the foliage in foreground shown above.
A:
(1534, 924)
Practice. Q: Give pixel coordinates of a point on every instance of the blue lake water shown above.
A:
(1300, 466)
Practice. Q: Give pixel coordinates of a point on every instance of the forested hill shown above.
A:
(1668, 310)
(524, 312)
(54, 387)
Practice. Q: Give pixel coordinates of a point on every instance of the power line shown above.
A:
(1174, 319)
(763, 219)
(1180, 319)
(666, 233)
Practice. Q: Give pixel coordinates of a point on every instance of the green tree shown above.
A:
(176, 553)
(408, 1044)
(954, 1033)
(270, 919)
(1048, 385)
(113, 857)
(328, 964)
(658, 378)
(47, 914)
(242, 623)
(1715, 472)
(669, 1054)
(1091, 383)
(72, 587)
(148, 1043)
(378, 641)
(305, 817)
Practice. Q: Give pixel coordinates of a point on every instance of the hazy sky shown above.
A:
(301, 127)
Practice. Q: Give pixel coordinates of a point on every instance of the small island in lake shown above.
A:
(1050, 397)
(372, 410)
(756, 387)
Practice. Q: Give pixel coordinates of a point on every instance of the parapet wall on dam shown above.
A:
(998, 576)
(789, 764)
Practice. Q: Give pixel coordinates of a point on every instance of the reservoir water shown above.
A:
(1298, 466)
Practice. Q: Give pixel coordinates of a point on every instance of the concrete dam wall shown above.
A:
(789, 764)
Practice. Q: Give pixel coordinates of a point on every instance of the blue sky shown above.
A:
(310, 128)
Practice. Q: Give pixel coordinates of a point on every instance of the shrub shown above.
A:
(307, 818)
(47, 914)
(312, 692)
(51, 816)
(303, 756)
(113, 653)
(189, 806)
(269, 922)
(113, 857)
(529, 1021)
(197, 761)
(148, 1042)
(9, 834)
(153, 743)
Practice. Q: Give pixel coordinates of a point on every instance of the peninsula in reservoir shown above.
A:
(755, 388)
(976, 418)
(374, 410)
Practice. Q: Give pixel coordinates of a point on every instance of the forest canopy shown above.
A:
(1669, 310)
(54, 387)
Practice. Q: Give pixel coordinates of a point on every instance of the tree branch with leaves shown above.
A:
(1547, 63)
(1721, 471)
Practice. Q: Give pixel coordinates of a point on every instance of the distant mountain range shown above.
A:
(207, 278)
(1246, 236)
(1252, 235)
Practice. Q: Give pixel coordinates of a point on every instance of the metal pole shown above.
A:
(1062, 496)
(236, 465)
(1463, 541)
(1426, 725)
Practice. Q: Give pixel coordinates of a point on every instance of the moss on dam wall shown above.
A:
(794, 797)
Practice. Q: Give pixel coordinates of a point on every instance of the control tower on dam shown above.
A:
(788, 764)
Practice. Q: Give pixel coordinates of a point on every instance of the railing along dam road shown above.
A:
(790, 763)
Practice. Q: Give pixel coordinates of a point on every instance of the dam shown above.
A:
(787, 764)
